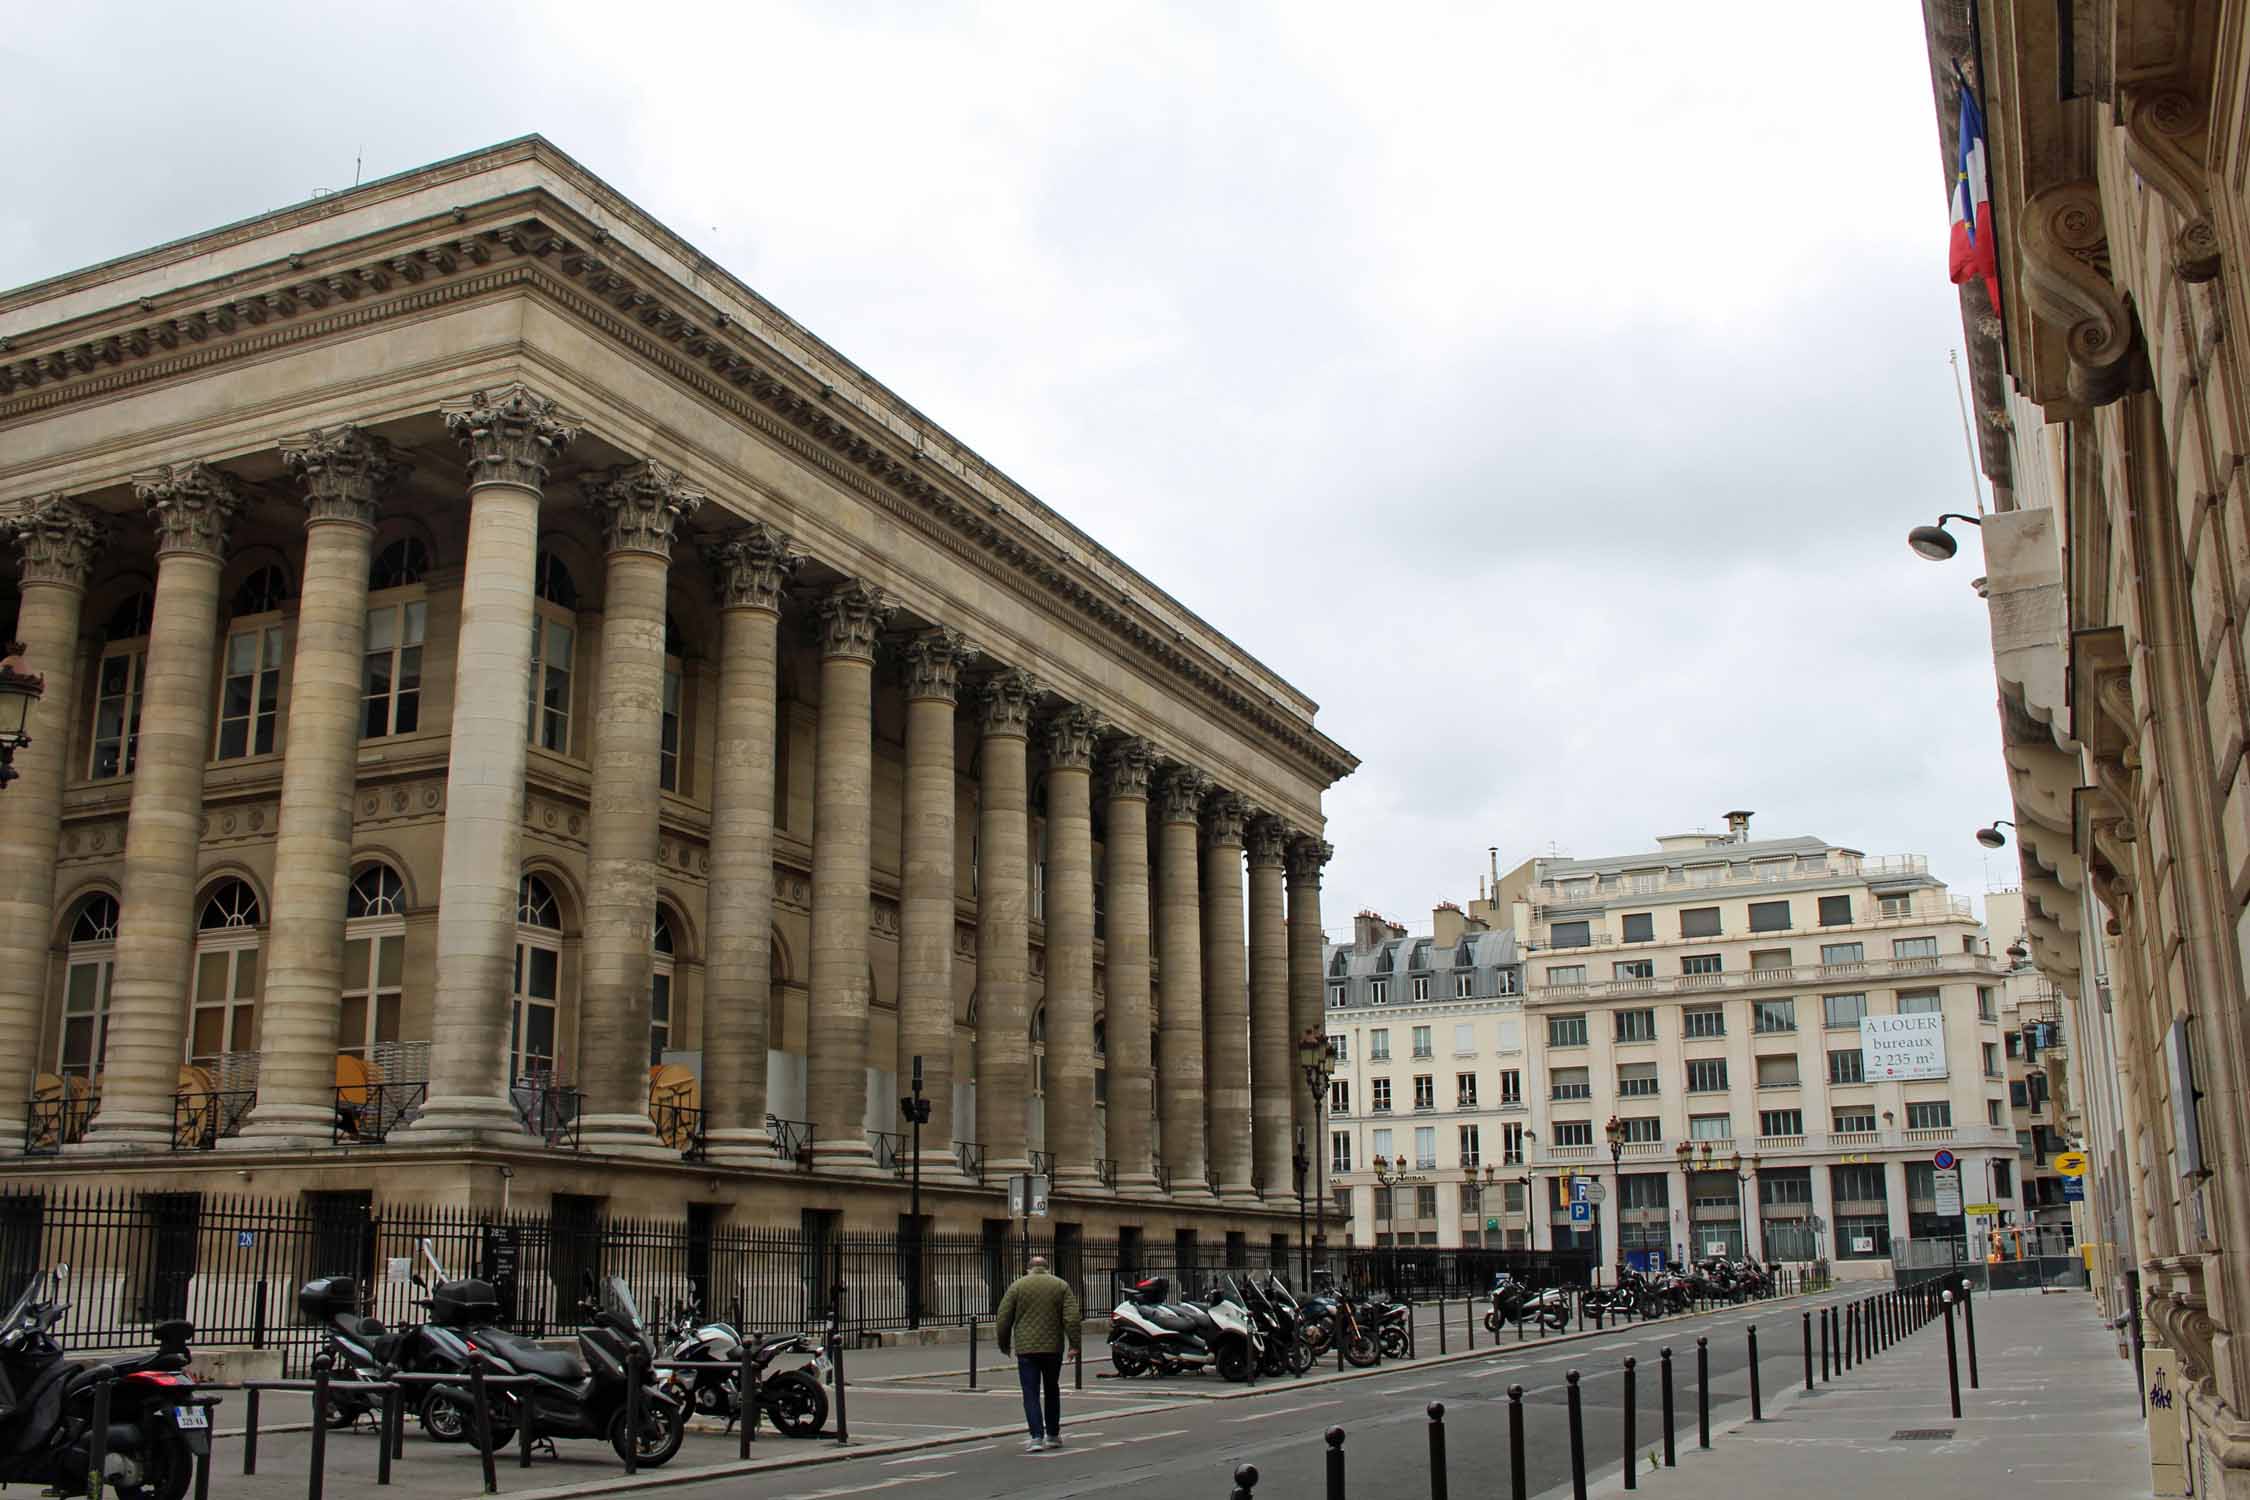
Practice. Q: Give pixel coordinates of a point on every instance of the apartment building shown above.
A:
(2043, 1102)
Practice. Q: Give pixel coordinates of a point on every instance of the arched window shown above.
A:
(1340, 965)
(668, 748)
(554, 633)
(374, 961)
(660, 986)
(93, 952)
(262, 593)
(1383, 961)
(397, 617)
(538, 980)
(224, 1018)
(249, 716)
(117, 690)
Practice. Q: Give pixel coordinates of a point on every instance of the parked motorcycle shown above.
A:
(156, 1431)
(1148, 1334)
(1270, 1304)
(793, 1397)
(365, 1349)
(1515, 1303)
(1393, 1325)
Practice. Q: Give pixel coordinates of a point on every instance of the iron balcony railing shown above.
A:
(1042, 1163)
(970, 1154)
(792, 1140)
(199, 1119)
(890, 1151)
(1163, 1175)
(679, 1126)
(1105, 1168)
(548, 1109)
(51, 1124)
(367, 1113)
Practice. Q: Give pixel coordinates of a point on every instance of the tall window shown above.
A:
(554, 632)
(1339, 1046)
(1425, 1147)
(1422, 1045)
(1511, 1086)
(397, 616)
(1769, 1016)
(1845, 1065)
(668, 745)
(225, 1014)
(1707, 1075)
(1380, 1091)
(250, 688)
(1339, 1151)
(1340, 1096)
(117, 688)
(93, 952)
(374, 960)
(1465, 1090)
(1511, 1144)
(1636, 1025)
(1379, 1044)
(1471, 1145)
(538, 980)
(1844, 1012)
(1425, 1091)
(660, 986)
(1566, 1031)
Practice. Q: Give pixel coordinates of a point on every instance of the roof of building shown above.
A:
(1718, 852)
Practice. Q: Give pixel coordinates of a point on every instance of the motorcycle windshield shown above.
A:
(621, 1300)
(15, 1313)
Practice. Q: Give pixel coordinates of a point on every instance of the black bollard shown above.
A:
(1335, 1438)
(1516, 1489)
(1625, 1430)
(1671, 1456)
(1757, 1408)
(633, 1410)
(1245, 1480)
(1851, 1332)
(1702, 1393)
(250, 1397)
(383, 1446)
(480, 1415)
(97, 1439)
(1825, 1369)
(1441, 1325)
(398, 1430)
(746, 1400)
(1969, 1326)
(1436, 1411)
(1952, 1359)
(1577, 1440)
(1808, 1350)
(526, 1421)
(973, 1354)
(1469, 1319)
(836, 1323)
(316, 1468)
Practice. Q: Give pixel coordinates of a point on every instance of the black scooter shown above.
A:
(156, 1428)
(369, 1350)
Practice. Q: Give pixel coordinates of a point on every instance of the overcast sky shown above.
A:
(1546, 393)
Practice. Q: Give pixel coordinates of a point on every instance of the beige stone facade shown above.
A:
(622, 813)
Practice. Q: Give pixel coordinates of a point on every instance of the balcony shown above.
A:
(1878, 969)
(1921, 907)
(1781, 1143)
(1937, 1135)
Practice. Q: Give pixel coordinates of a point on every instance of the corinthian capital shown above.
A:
(345, 471)
(1126, 768)
(191, 505)
(1268, 836)
(1071, 734)
(1180, 793)
(1007, 698)
(754, 565)
(1223, 817)
(642, 506)
(1306, 855)
(58, 539)
(933, 664)
(511, 435)
(851, 615)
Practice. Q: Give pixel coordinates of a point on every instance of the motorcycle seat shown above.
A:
(561, 1365)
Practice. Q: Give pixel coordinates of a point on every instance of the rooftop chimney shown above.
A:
(1738, 827)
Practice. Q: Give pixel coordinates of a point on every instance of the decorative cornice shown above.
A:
(2066, 274)
(1072, 732)
(511, 434)
(934, 660)
(1306, 855)
(346, 471)
(754, 565)
(1224, 813)
(58, 539)
(1180, 791)
(1006, 700)
(191, 505)
(1126, 768)
(2166, 142)
(1268, 839)
(850, 616)
(642, 506)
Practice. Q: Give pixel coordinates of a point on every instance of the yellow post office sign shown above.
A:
(2071, 1163)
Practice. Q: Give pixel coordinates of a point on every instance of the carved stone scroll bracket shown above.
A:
(2166, 137)
(2066, 277)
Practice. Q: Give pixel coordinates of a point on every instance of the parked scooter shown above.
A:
(1515, 1303)
(365, 1349)
(156, 1432)
(1391, 1322)
(793, 1397)
(1275, 1307)
(1149, 1334)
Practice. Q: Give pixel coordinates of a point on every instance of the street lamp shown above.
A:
(1389, 1175)
(1614, 1131)
(1318, 1065)
(1935, 542)
(1746, 1203)
(1531, 1192)
(1990, 835)
(1297, 1165)
(917, 1112)
(19, 689)
(1469, 1179)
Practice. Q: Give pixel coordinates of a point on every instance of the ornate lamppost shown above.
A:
(1389, 1172)
(1318, 1065)
(1530, 1192)
(1297, 1165)
(19, 689)
(1614, 1132)
(1470, 1179)
(916, 1110)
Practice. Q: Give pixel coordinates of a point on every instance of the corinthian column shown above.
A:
(57, 539)
(843, 793)
(1227, 998)
(1306, 855)
(1179, 953)
(1004, 922)
(192, 506)
(753, 564)
(641, 506)
(1271, 1040)
(1070, 947)
(925, 909)
(345, 472)
(1125, 863)
(511, 436)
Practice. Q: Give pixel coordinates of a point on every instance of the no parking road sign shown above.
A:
(1944, 1161)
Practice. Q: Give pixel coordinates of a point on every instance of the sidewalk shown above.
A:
(2058, 1414)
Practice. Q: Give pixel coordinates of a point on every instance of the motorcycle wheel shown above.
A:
(1316, 1335)
(1300, 1357)
(1129, 1362)
(1555, 1317)
(797, 1404)
(1272, 1361)
(449, 1418)
(715, 1398)
(1359, 1352)
(343, 1412)
(166, 1466)
(1234, 1361)
(1491, 1322)
(1394, 1343)
(660, 1436)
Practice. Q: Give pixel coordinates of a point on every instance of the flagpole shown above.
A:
(1976, 491)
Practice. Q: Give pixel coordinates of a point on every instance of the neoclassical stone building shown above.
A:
(525, 717)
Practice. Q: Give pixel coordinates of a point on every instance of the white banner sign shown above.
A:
(1902, 1046)
(1948, 1192)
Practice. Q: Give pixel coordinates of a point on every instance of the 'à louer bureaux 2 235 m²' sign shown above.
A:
(1893, 1047)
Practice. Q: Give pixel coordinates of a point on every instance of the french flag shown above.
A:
(1973, 254)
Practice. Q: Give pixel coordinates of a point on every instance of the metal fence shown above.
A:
(2044, 1260)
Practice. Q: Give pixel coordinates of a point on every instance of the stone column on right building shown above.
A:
(1227, 1010)
(933, 659)
(1270, 1038)
(511, 436)
(58, 540)
(1006, 701)
(1306, 855)
(1125, 862)
(192, 506)
(1179, 950)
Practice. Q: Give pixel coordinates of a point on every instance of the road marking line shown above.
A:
(1279, 1412)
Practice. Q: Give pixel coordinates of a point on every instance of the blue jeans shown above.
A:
(1041, 1372)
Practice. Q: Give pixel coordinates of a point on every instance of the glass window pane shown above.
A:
(410, 668)
(210, 978)
(541, 1026)
(355, 963)
(273, 649)
(417, 614)
(244, 1038)
(382, 628)
(351, 1024)
(246, 973)
(208, 1035)
(386, 1018)
(409, 713)
(84, 981)
(234, 702)
(545, 964)
(390, 961)
(242, 652)
(558, 645)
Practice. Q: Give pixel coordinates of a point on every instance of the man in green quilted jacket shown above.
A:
(1038, 1319)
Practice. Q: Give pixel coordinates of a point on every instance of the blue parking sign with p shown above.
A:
(1581, 1212)
(1578, 1186)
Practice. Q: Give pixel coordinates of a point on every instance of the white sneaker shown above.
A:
(1054, 1445)
(1034, 1445)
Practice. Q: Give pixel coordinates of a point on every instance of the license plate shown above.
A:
(184, 1417)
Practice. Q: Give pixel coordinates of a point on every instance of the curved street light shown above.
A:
(1935, 542)
(1990, 835)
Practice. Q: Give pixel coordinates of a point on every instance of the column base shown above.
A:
(13, 1130)
(741, 1148)
(124, 1130)
(1282, 1203)
(1078, 1181)
(851, 1155)
(623, 1134)
(1138, 1185)
(465, 1120)
(1240, 1195)
(940, 1167)
(1198, 1191)
(998, 1172)
(283, 1127)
